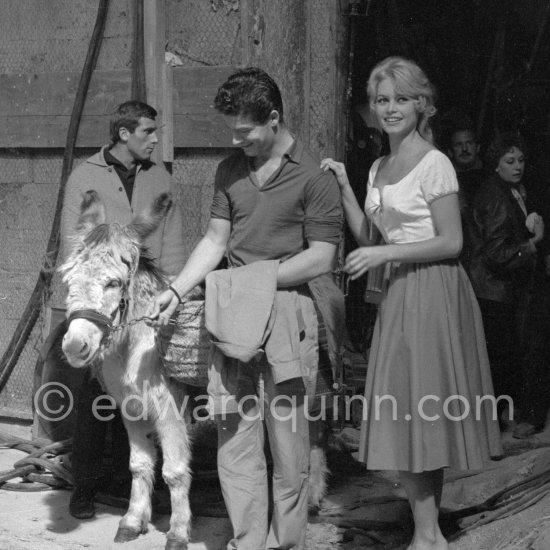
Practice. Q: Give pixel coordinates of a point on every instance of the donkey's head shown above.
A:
(99, 273)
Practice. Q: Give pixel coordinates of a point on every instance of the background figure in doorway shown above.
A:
(463, 150)
(506, 236)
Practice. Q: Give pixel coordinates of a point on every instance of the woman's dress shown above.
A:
(429, 395)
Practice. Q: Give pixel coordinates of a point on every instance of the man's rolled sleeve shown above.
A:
(220, 208)
(324, 213)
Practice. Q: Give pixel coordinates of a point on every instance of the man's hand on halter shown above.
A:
(163, 308)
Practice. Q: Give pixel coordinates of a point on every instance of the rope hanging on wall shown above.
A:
(30, 315)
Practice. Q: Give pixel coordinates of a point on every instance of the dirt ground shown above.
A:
(363, 510)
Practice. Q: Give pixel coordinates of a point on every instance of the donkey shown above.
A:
(111, 282)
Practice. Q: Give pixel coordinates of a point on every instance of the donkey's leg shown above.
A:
(143, 456)
(174, 440)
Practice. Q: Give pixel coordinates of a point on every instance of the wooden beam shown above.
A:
(200, 131)
(154, 39)
(339, 26)
(36, 131)
(167, 121)
(195, 88)
(306, 126)
(36, 108)
(196, 122)
(245, 32)
(49, 94)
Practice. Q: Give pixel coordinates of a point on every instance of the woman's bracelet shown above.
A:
(170, 287)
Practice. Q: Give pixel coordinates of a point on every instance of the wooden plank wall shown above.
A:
(36, 108)
(196, 122)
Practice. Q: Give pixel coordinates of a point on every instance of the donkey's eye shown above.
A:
(113, 283)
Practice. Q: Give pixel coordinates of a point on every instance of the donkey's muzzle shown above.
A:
(76, 348)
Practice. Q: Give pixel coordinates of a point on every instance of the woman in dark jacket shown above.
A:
(503, 266)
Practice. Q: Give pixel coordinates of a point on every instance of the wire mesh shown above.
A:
(29, 183)
(321, 67)
(53, 36)
(193, 173)
(204, 32)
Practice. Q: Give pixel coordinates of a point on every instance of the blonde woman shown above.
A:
(428, 369)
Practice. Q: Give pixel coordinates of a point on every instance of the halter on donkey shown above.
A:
(111, 283)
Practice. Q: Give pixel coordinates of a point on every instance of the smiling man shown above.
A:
(271, 202)
(463, 150)
(126, 181)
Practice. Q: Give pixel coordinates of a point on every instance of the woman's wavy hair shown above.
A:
(501, 144)
(411, 81)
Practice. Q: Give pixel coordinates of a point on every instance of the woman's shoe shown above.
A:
(523, 430)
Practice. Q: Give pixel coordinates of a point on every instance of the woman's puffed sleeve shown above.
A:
(438, 178)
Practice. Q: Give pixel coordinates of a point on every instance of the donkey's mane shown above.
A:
(147, 265)
(103, 234)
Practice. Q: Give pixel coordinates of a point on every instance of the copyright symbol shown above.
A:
(53, 401)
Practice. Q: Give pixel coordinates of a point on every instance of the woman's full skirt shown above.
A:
(429, 399)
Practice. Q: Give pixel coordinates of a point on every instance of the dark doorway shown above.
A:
(490, 63)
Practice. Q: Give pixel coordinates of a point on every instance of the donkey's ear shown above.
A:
(148, 220)
(92, 212)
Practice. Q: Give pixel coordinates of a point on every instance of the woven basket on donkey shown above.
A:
(185, 346)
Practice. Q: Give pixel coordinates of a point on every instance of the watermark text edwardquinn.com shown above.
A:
(54, 402)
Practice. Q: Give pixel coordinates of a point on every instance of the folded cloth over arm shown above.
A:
(239, 308)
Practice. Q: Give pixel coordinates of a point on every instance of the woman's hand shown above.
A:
(362, 259)
(162, 309)
(535, 224)
(339, 170)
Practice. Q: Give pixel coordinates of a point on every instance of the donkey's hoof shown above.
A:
(124, 534)
(175, 544)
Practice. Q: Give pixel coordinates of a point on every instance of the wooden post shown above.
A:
(306, 123)
(167, 115)
(157, 76)
(245, 32)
